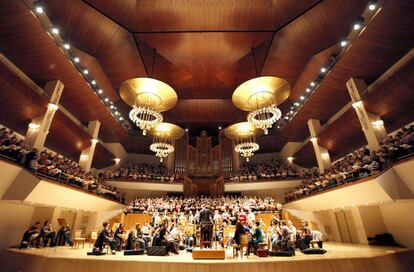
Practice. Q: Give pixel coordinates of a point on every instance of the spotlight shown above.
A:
(76, 59)
(302, 98)
(106, 99)
(93, 82)
(116, 113)
(357, 26)
(296, 104)
(39, 10)
(219, 127)
(121, 118)
(186, 130)
(312, 84)
(66, 46)
(34, 126)
(357, 104)
(372, 5)
(55, 30)
(286, 117)
(308, 90)
(100, 91)
(94, 141)
(344, 43)
(323, 70)
(358, 23)
(378, 123)
(291, 112)
(117, 160)
(86, 71)
(112, 107)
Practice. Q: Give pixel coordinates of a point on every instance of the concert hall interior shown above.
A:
(207, 135)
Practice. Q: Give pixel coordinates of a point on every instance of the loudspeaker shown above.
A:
(157, 251)
(134, 252)
(314, 251)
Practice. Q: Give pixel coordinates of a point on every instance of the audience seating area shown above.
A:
(53, 166)
(140, 171)
(359, 164)
(269, 169)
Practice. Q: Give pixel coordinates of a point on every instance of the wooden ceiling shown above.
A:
(204, 51)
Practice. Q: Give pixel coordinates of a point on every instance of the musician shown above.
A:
(257, 238)
(284, 236)
(239, 231)
(306, 237)
(119, 232)
(217, 217)
(48, 234)
(164, 235)
(206, 226)
(64, 236)
(147, 231)
(30, 236)
(105, 237)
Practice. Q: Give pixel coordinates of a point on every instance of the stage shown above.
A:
(340, 257)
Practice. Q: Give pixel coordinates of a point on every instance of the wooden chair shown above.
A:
(244, 242)
(94, 236)
(78, 239)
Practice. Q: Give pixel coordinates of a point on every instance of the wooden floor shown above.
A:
(340, 257)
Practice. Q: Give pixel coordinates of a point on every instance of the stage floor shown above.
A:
(339, 257)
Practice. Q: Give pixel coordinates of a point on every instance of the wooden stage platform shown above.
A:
(340, 257)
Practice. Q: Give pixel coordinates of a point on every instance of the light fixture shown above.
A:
(93, 82)
(312, 84)
(94, 141)
(219, 127)
(66, 46)
(357, 104)
(76, 59)
(83, 157)
(116, 113)
(34, 126)
(323, 70)
(302, 98)
(286, 117)
(55, 30)
(291, 112)
(148, 97)
(296, 104)
(358, 23)
(85, 71)
(121, 118)
(52, 106)
(290, 159)
(378, 123)
(357, 26)
(186, 130)
(325, 155)
(308, 90)
(344, 43)
(372, 5)
(100, 91)
(314, 139)
(106, 99)
(117, 160)
(164, 135)
(244, 136)
(39, 10)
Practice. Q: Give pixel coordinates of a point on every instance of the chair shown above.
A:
(244, 242)
(94, 236)
(77, 239)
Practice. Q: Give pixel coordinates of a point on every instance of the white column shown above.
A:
(39, 127)
(372, 125)
(86, 157)
(321, 153)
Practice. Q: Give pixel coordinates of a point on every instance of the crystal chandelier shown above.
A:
(145, 118)
(265, 117)
(244, 137)
(246, 149)
(161, 149)
(164, 135)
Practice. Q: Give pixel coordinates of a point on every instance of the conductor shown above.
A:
(206, 225)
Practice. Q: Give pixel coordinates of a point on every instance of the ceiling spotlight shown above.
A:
(296, 104)
(308, 90)
(121, 118)
(93, 82)
(186, 130)
(76, 59)
(323, 70)
(278, 126)
(302, 98)
(357, 26)
(291, 112)
(100, 91)
(55, 30)
(85, 71)
(106, 99)
(116, 113)
(112, 107)
(219, 127)
(344, 43)
(286, 117)
(66, 46)
(358, 23)
(39, 10)
(312, 83)
(372, 6)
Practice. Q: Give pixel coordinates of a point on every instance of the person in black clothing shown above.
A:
(119, 232)
(64, 236)
(31, 236)
(105, 237)
(238, 232)
(206, 226)
(306, 237)
(171, 247)
(47, 234)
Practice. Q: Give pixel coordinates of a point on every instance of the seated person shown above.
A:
(31, 236)
(257, 238)
(48, 235)
(119, 232)
(284, 236)
(64, 236)
(135, 237)
(317, 236)
(171, 246)
(305, 237)
(238, 233)
(105, 237)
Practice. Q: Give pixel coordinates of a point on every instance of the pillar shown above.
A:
(372, 125)
(321, 153)
(39, 127)
(86, 157)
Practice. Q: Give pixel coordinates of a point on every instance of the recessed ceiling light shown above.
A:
(93, 82)
(219, 127)
(111, 106)
(116, 113)
(296, 104)
(291, 112)
(308, 90)
(66, 46)
(100, 91)
(344, 43)
(302, 97)
(39, 10)
(357, 26)
(55, 30)
(312, 83)
(76, 59)
(372, 6)
(186, 129)
(106, 99)
(121, 118)
(286, 117)
(323, 70)
(86, 71)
